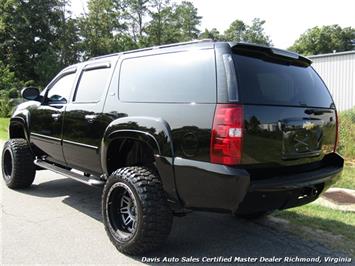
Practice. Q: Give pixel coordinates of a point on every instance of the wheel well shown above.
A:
(16, 131)
(128, 152)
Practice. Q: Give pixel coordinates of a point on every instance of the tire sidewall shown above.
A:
(7, 147)
(23, 170)
(137, 234)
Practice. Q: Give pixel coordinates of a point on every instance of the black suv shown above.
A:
(217, 126)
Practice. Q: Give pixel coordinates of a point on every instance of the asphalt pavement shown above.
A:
(58, 221)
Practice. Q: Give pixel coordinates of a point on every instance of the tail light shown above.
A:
(337, 131)
(227, 134)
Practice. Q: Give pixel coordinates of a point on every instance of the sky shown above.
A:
(285, 20)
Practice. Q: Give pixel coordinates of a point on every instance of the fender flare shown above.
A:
(21, 120)
(154, 132)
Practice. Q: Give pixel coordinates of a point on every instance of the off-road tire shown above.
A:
(18, 169)
(154, 214)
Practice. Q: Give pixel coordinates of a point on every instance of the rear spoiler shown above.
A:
(270, 52)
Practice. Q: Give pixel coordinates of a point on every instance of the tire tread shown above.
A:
(157, 215)
(24, 170)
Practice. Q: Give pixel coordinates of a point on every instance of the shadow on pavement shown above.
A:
(198, 234)
(79, 196)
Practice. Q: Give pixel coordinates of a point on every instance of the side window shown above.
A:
(59, 93)
(91, 85)
(174, 77)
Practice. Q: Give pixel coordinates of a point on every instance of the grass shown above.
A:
(346, 146)
(348, 178)
(4, 125)
(332, 227)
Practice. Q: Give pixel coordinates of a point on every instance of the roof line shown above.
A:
(153, 48)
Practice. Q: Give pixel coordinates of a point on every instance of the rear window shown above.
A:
(181, 77)
(266, 82)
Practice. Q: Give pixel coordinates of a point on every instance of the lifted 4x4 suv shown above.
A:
(205, 125)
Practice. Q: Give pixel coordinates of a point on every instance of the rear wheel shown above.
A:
(18, 169)
(135, 210)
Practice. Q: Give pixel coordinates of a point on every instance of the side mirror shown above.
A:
(30, 93)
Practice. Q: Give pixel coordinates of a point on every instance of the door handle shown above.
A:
(90, 118)
(56, 116)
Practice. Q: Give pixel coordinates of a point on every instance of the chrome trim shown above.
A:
(45, 137)
(90, 117)
(80, 144)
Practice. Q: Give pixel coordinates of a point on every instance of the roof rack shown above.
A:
(153, 48)
(103, 56)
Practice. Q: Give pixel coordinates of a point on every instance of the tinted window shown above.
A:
(176, 77)
(60, 91)
(264, 82)
(91, 85)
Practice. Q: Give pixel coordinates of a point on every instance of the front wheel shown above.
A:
(18, 169)
(135, 210)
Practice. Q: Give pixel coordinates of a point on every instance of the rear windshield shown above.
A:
(262, 81)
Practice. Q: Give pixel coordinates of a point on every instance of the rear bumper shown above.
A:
(203, 185)
(282, 192)
(207, 186)
(331, 166)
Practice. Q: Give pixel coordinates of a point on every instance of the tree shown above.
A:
(135, 13)
(255, 33)
(8, 79)
(38, 38)
(102, 27)
(236, 31)
(163, 27)
(64, 51)
(165, 22)
(69, 43)
(31, 31)
(211, 34)
(9, 89)
(187, 21)
(325, 39)
(239, 31)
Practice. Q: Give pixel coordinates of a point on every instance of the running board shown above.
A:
(88, 181)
